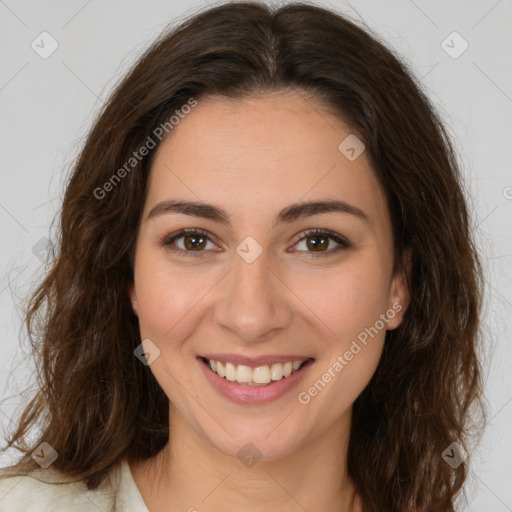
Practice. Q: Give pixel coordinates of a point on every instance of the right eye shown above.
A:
(193, 242)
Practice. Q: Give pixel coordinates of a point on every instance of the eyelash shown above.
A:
(343, 243)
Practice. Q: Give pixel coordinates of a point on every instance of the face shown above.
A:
(252, 287)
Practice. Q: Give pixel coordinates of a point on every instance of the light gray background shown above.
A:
(47, 106)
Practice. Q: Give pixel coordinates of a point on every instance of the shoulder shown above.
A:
(49, 490)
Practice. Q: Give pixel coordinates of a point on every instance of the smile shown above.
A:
(253, 381)
(259, 376)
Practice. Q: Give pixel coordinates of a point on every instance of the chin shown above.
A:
(263, 443)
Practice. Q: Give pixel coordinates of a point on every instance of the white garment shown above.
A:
(117, 493)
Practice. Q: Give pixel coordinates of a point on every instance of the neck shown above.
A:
(190, 474)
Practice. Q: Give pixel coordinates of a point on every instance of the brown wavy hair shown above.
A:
(96, 403)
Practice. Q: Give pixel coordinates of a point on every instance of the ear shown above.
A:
(133, 297)
(399, 297)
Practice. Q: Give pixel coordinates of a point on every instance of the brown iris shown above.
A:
(323, 244)
(194, 244)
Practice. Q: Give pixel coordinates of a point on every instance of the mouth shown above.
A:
(262, 375)
(254, 382)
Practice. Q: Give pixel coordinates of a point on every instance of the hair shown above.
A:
(96, 403)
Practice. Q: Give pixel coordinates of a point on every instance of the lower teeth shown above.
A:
(255, 383)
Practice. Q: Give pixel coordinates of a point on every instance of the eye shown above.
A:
(321, 240)
(195, 240)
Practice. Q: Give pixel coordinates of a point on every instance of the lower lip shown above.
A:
(241, 394)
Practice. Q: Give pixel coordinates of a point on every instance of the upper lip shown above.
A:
(254, 362)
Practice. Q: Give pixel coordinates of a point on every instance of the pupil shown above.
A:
(194, 244)
(321, 245)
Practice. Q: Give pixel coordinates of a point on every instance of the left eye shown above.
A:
(319, 240)
(196, 239)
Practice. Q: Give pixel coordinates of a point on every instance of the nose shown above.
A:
(255, 302)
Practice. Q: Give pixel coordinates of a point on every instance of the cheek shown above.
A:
(352, 346)
(351, 299)
(351, 305)
(165, 297)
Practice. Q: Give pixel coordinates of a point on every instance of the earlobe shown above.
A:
(399, 294)
(133, 298)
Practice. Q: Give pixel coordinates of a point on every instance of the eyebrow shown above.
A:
(289, 214)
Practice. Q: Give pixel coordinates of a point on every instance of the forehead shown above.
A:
(255, 155)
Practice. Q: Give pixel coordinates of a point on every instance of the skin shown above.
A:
(253, 157)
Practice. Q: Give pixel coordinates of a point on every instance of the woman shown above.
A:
(266, 292)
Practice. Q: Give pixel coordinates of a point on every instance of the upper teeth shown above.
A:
(259, 375)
